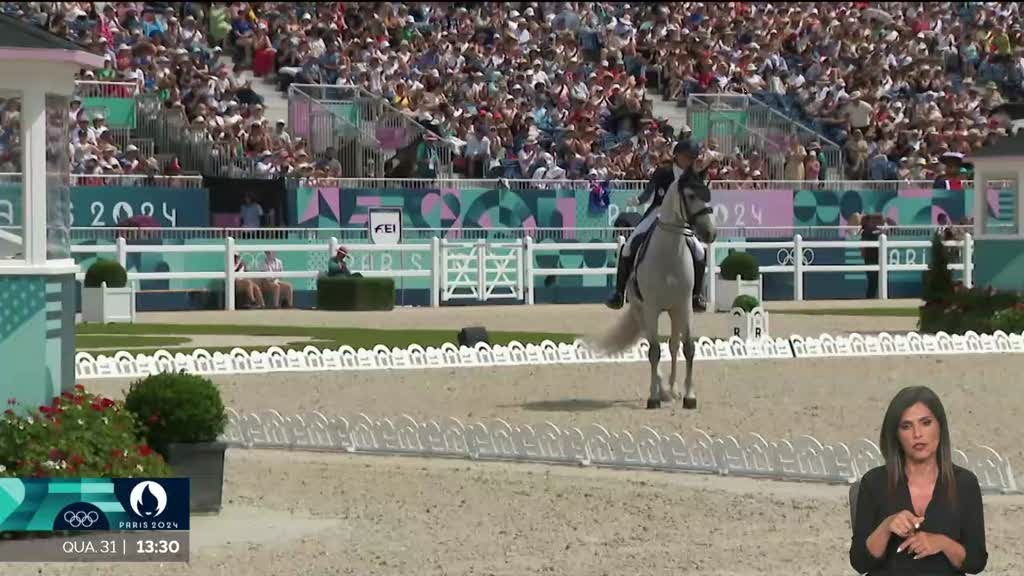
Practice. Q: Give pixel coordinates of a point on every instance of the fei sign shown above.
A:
(385, 225)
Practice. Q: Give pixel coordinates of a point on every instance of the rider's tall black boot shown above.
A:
(699, 269)
(625, 267)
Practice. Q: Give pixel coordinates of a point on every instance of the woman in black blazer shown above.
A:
(919, 513)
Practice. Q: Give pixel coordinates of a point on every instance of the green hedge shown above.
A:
(746, 302)
(740, 264)
(109, 271)
(978, 310)
(355, 293)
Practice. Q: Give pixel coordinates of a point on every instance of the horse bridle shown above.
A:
(685, 229)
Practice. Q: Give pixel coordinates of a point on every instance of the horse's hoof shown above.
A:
(653, 403)
(690, 403)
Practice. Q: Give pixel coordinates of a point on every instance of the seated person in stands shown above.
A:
(337, 265)
(282, 293)
(246, 287)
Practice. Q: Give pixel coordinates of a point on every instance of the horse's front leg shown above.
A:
(670, 394)
(654, 357)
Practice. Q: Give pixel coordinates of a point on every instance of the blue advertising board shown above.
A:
(98, 206)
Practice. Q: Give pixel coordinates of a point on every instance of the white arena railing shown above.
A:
(486, 270)
(359, 234)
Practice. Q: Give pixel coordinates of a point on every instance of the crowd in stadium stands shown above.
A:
(563, 89)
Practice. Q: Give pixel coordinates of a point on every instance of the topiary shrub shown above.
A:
(177, 409)
(740, 265)
(746, 302)
(355, 293)
(78, 435)
(109, 271)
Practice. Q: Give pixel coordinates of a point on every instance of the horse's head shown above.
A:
(696, 200)
(688, 205)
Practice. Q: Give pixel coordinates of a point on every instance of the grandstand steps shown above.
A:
(668, 110)
(275, 104)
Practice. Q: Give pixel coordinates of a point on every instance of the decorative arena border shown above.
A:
(311, 359)
(804, 458)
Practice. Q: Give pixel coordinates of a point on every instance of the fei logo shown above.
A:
(385, 225)
(148, 499)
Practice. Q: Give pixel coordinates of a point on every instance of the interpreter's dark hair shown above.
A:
(892, 450)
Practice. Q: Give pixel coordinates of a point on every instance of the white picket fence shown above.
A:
(488, 270)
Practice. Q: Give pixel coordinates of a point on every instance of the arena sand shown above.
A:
(311, 514)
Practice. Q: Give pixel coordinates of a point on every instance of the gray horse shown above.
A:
(664, 277)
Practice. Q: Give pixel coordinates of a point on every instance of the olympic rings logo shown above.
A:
(81, 519)
(785, 256)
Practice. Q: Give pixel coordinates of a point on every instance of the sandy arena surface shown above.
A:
(564, 318)
(311, 514)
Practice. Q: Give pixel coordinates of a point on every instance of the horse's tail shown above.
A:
(622, 335)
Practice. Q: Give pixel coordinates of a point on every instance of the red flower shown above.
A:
(46, 410)
(96, 407)
(79, 387)
(68, 395)
(117, 453)
(76, 459)
(79, 400)
(107, 402)
(56, 454)
(154, 419)
(9, 412)
(145, 450)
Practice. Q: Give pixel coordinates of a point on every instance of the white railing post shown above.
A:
(444, 270)
(519, 268)
(481, 263)
(798, 268)
(968, 258)
(528, 269)
(883, 267)
(712, 275)
(332, 248)
(435, 272)
(122, 252)
(229, 273)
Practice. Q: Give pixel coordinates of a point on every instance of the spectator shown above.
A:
(251, 213)
(338, 267)
(283, 293)
(245, 288)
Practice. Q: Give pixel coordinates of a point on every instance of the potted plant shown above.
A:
(106, 296)
(184, 416)
(739, 275)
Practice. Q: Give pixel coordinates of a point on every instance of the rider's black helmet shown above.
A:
(687, 147)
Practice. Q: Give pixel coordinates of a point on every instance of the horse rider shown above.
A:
(684, 172)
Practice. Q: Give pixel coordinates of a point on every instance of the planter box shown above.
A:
(727, 290)
(203, 464)
(106, 305)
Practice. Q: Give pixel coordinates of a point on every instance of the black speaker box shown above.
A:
(470, 335)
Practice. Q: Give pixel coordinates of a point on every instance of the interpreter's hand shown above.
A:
(904, 523)
(922, 544)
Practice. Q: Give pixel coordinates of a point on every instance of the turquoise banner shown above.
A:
(104, 206)
(94, 504)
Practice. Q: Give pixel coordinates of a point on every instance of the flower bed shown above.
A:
(78, 435)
